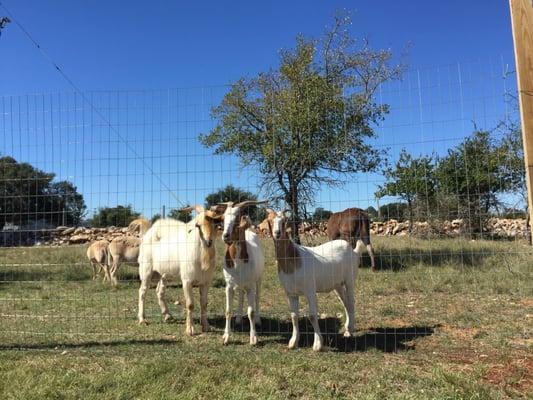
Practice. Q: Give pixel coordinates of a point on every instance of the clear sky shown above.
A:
(458, 52)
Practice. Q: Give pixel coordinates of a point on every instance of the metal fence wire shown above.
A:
(446, 210)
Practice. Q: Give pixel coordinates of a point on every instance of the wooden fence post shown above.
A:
(522, 25)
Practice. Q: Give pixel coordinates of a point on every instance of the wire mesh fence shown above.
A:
(446, 207)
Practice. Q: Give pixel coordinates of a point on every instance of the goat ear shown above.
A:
(199, 208)
(270, 211)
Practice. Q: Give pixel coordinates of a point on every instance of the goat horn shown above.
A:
(251, 203)
(227, 204)
(186, 209)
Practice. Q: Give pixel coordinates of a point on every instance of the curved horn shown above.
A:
(186, 209)
(250, 203)
(226, 203)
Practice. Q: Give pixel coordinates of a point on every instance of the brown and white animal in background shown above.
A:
(244, 263)
(98, 257)
(306, 271)
(174, 249)
(126, 248)
(351, 225)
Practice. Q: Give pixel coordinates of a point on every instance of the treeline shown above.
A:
(469, 182)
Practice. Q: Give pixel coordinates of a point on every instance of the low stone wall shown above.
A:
(63, 235)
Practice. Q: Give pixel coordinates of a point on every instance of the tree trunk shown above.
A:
(293, 203)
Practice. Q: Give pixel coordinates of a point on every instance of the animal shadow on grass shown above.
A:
(401, 259)
(387, 340)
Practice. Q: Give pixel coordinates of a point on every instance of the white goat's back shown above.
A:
(169, 246)
(325, 267)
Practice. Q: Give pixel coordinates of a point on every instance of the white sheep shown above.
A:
(307, 270)
(244, 262)
(173, 249)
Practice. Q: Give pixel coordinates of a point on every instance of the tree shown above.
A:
(473, 174)
(307, 123)
(180, 215)
(114, 216)
(372, 212)
(321, 214)
(412, 180)
(29, 194)
(397, 211)
(235, 194)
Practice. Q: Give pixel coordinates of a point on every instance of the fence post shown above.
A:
(522, 25)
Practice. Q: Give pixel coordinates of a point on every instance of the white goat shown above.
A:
(308, 270)
(244, 262)
(171, 249)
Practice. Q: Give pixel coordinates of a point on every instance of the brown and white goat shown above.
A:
(307, 271)
(351, 225)
(244, 263)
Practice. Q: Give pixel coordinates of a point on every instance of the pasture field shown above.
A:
(442, 319)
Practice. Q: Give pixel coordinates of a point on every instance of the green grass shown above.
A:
(447, 319)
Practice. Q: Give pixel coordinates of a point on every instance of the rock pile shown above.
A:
(63, 235)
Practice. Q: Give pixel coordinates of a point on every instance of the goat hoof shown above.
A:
(168, 318)
(347, 334)
(189, 331)
(253, 340)
(143, 322)
(293, 343)
(177, 302)
(225, 339)
(317, 346)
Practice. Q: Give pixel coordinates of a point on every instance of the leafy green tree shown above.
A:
(28, 194)
(307, 122)
(412, 180)
(397, 210)
(114, 216)
(321, 214)
(473, 174)
(180, 215)
(372, 212)
(235, 194)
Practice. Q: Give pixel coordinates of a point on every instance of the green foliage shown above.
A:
(307, 122)
(372, 212)
(29, 194)
(321, 214)
(473, 173)
(235, 194)
(114, 216)
(411, 180)
(396, 210)
(180, 215)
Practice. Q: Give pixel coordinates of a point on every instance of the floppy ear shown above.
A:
(270, 211)
(199, 208)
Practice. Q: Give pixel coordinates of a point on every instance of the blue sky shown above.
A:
(171, 60)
